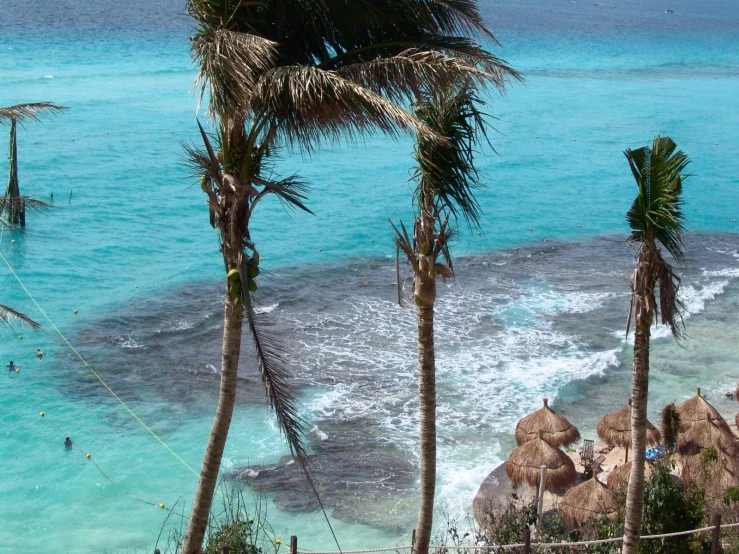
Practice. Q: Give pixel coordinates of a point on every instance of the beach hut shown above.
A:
(524, 465)
(588, 500)
(557, 431)
(694, 411)
(615, 429)
(619, 476)
(706, 434)
(715, 476)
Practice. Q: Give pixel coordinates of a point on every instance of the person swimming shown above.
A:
(12, 367)
(39, 354)
(67, 444)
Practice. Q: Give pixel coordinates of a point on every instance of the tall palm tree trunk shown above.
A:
(427, 431)
(233, 321)
(639, 394)
(15, 209)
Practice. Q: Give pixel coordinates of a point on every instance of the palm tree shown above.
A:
(655, 217)
(446, 179)
(13, 206)
(296, 73)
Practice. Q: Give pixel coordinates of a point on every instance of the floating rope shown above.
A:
(88, 366)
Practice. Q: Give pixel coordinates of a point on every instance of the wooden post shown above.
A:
(526, 540)
(293, 545)
(225, 549)
(413, 541)
(156, 551)
(716, 534)
(542, 483)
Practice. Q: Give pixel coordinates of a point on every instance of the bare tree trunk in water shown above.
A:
(639, 394)
(13, 191)
(233, 320)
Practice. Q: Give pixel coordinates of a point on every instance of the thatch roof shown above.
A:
(524, 465)
(705, 434)
(715, 477)
(615, 428)
(619, 477)
(588, 500)
(694, 411)
(557, 430)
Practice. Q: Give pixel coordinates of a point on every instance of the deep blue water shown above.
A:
(132, 252)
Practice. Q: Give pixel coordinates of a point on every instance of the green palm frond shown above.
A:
(446, 172)
(8, 315)
(308, 105)
(656, 213)
(29, 112)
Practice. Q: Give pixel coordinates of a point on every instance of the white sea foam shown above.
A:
(126, 341)
(48, 76)
(266, 309)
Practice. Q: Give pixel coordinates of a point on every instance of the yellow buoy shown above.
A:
(160, 506)
(20, 337)
(88, 456)
(41, 414)
(17, 370)
(278, 541)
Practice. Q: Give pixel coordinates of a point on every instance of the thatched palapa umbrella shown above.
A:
(704, 435)
(714, 477)
(588, 500)
(619, 477)
(524, 465)
(615, 429)
(557, 430)
(694, 411)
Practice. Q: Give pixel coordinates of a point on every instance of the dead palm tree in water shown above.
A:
(296, 73)
(655, 218)
(13, 206)
(446, 178)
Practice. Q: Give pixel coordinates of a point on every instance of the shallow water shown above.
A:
(531, 314)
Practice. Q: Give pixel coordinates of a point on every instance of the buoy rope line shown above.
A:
(118, 398)
(97, 376)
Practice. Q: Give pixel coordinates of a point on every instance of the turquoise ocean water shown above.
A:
(532, 313)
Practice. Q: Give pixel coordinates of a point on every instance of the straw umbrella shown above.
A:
(619, 477)
(694, 411)
(524, 465)
(587, 500)
(714, 477)
(557, 430)
(615, 429)
(706, 434)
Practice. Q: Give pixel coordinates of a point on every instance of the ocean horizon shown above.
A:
(127, 267)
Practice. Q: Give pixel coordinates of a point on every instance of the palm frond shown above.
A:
(308, 105)
(275, 377)
(230, 64)
(8, 315)
(656, 213)
(671, 305)
(23, 202)
(404, 76)
(29, 112)
(446, 172)
(291, 191)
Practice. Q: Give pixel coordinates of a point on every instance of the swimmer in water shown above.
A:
(12, 367)
(39, 354)
(67, 444)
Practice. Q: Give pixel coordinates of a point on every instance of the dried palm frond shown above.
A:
(29, 112)
(23, 202)
(308, 105)
(8, 315)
